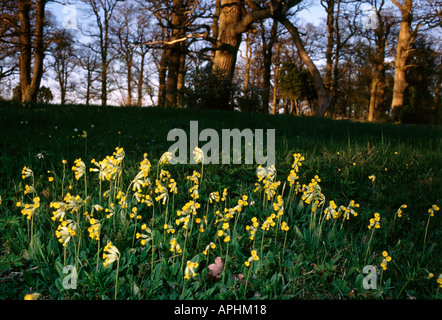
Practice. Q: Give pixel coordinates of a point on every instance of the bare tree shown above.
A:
(379, 35)
(103, 11)
(63, 61)
(88, 60)
(32, 46)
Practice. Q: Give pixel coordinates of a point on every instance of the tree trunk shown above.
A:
(30, 86)
(173, 66)
(140, 82)
(267, 64)
(275, 90)
(224, 60)
(181, 78)
(329, 6)
(162, 78)
(323, 98)
(400, 59)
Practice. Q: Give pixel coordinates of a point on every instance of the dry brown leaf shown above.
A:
(216, 268)
(239, 277)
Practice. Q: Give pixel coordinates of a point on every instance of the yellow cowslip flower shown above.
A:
(166, 158)
(29, 209)
(50, 179)
(29, 189)
(110, 254)
(65, 231)
(110, 211)
(297, 161)
(292, 177)
(172, 186)
(145, 237)
(73, 203)
(209, 246)
(174, 246)
(214, 196)
(198, 155)
(227, 238)
(253, 228)
(372, 178)
(94, 229)
(253, 257)
(26, 172)
(190, 269)
(386, 259)
(79, 168)
(284, 226)
(169, 228)
(278, 206)
(399, 211)
(224, 195)
(261, 173)
(60, 211)
(32, 296)
(439, 280)
(375, 222)
(433, 209)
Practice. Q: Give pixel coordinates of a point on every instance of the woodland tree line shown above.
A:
(369, 60)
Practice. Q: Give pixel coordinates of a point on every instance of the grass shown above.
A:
(315, 259)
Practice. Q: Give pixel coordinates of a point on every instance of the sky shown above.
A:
(74, 17)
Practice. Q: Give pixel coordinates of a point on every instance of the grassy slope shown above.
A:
(407, 160)
(413, 174)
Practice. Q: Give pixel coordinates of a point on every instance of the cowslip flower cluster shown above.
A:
(26, 172)
(94, 229)
(169, 228)
(375, 222)
(189, 209)
(278, 206)
(399, 211)
(65, 231)
(73, 203)
(267, 177)
(268, 222)
(214, 196)
(194, 189)
(28, 210)
(174, 246)
(161, 192)
(110, 167)
(253, 228)
(386, 260)
(434, 208)
(145, 237)
(293, 175)
(110, 254)
(79, 168)
(165, 158)
(312, 193)
(198, 155)
(253, 257)
(190, 269)
(209, 246)
(349, 210)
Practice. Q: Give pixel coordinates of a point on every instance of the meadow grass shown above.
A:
(316, 258)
